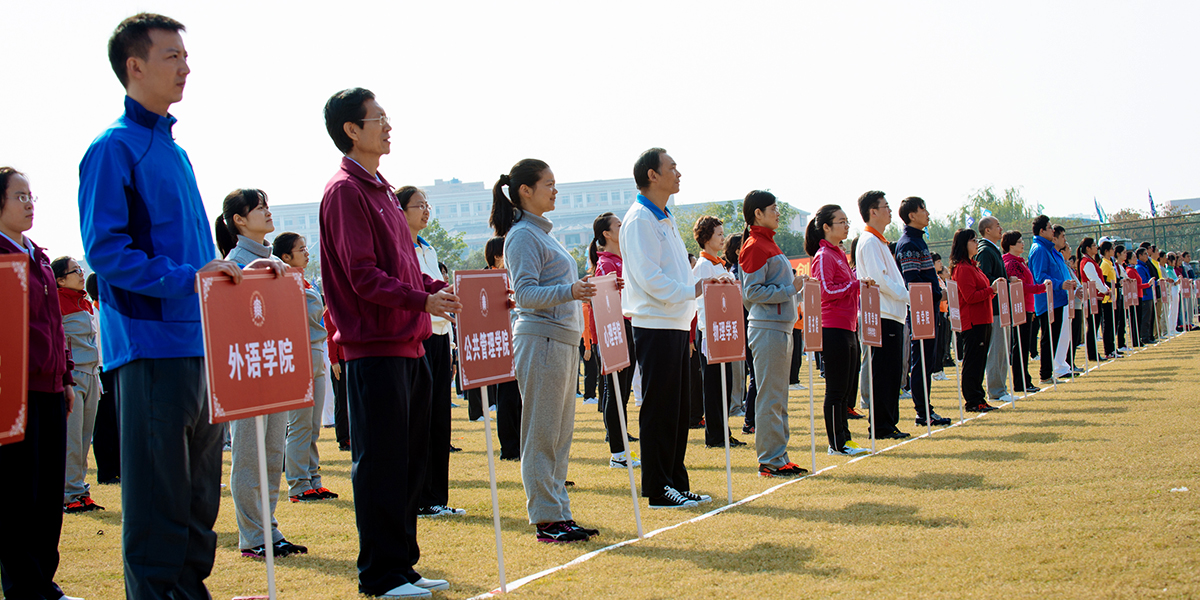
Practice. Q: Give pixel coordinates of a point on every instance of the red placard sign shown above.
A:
(1016, 297)
(812, 316)
(920, 298)
(1134, 295)
(1164, 287)
(1050, 301)
(872, 329)
(610, 325)
(1001, 288)
(256, 350)
(955, 306)
(1092, 298)
(724, 322)
(14, 346)
(485, 344)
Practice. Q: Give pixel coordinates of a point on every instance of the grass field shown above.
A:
(1066, 495)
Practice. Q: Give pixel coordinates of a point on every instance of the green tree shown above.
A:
(580, 254)
(451, 248)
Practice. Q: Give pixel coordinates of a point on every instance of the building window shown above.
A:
(572, 240)
(454, 210)
(465, 209)
(578, 200)
(628, 196)
(287, 223)
(603, 197)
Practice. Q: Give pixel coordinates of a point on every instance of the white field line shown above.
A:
(513, 585)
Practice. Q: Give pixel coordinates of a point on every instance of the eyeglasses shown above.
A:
(842, 222)
(27, 199)
(383, 121)
(421, 207)
(75, 270)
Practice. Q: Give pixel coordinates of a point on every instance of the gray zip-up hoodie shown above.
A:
(767, 289)
(542, 272)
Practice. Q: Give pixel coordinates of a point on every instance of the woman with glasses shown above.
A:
(302, 462)
(1022, 343)
(433, 500)
(241, 232)
(839, 322)
(975, 307)
(34, 468)
(80, 328)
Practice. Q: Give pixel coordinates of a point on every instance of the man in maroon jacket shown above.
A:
(381, 302)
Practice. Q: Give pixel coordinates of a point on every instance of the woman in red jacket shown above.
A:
(35, 467)
(975, 302)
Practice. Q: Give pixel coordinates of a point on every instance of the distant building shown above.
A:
(1189, 204)
(798, 223)
(464, 208)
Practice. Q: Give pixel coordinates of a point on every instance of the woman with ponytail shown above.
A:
(80, 328)
(1089, 270)
(605, 253)
(769, 289)
(975, 294)
(546, 337)
(302, 467)
(839, 322)
(241, 230)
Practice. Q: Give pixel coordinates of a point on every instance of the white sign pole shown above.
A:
(812, 420)
(725, 427)
(487, 435)
(925, 381)
(1050, 330)
(637, 509)
(962, 416)
(268, 542)
(1024, 364)
(871, 392)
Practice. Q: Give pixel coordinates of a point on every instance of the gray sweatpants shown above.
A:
(547, 371)
(997, 362)
(243, 477)
(302, 463)
(772, 358)
(80, 424)
(737, 396)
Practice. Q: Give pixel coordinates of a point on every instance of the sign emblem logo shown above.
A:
(258, 309)
(483, 302)
(723, 307)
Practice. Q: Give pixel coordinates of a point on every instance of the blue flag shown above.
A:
(1100, 211)
(1153, 211)
(970, 221)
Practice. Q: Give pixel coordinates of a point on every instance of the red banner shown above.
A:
(920, 298)
(610, 325)
(1001, 288)
(725, 324)
(872, 329)
(1093, 298)
(1050, 301)
(812, 316)
(1164, 287)
(955, 306)
(1133, 295)
(14, 347)
(256, 348)
(1016, 298)
(485, 344)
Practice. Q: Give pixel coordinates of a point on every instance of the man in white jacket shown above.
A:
(875, 262)
(660, 299)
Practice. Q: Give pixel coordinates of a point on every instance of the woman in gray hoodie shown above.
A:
(549, 325)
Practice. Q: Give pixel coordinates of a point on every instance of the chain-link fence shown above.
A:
(1174, 234)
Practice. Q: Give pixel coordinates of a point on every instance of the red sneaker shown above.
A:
(853, 414)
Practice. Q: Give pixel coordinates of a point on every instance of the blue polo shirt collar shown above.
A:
(660, 214)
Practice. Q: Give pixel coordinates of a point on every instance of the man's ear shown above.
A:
(351, 130)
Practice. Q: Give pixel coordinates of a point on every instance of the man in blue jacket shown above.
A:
(1146, 321)
(146, 236)
(1047, 264)
(916, 265)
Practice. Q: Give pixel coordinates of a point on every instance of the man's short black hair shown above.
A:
(1059, 230)
(132, 39)
(650, 160)
(346, 106)
(867, 201)
(908, 206)
(1040, 224)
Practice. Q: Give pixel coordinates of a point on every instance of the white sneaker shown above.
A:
(492, 408)
(939, 376)
(407, 590)
(797, 386)
(1004, 398)
(617, 461)
(479, 420)
(449, 511)
(432, 584)
(1124, 349)
(591, 401)
(905, 395)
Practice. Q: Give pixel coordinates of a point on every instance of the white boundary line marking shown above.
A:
(513, 585)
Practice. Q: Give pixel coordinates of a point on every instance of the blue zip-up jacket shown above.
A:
(145, 234)
(916, 261)
(1047, 263)
(1146, 270)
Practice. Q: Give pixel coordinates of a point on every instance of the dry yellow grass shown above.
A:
(1065, 496)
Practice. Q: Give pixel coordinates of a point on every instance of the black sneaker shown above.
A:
(559, 532)
(694, 497)
(748, 429)
(454, 449)
(733, 443)
(285, 548)
(590, 532)
(788, 470)
(939, 419)
(429, 511)
(671, 498)
(627, 436)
